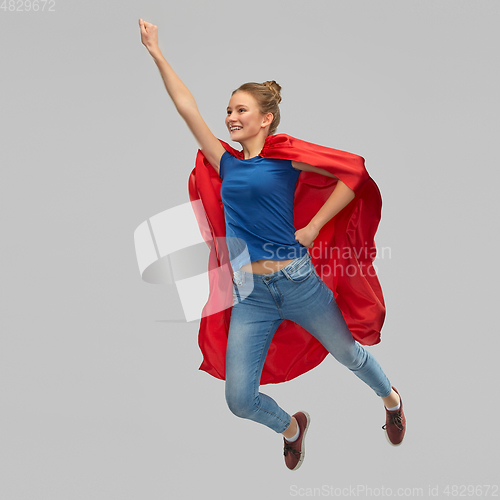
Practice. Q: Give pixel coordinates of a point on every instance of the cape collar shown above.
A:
(272, 141)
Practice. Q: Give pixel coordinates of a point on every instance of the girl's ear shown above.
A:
(268, 119)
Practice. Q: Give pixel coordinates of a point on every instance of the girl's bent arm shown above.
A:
(340, 197)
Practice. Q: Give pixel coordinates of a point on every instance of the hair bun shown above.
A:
(275, 88)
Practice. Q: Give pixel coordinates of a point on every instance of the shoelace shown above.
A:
(396, 419)
(289, 448)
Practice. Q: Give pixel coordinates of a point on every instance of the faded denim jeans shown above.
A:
(260, 303)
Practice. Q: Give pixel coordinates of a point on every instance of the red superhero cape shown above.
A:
(342, 255)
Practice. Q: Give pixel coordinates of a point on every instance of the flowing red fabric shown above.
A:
(342, 255)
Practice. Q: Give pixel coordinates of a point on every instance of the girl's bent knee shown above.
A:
(240, 406)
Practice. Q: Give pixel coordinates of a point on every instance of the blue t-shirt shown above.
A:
(258, 196)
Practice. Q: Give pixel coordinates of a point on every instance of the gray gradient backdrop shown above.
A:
(101, 396)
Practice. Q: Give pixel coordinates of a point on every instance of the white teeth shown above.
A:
(234, 128)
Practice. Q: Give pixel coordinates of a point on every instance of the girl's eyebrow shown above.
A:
(238, 106)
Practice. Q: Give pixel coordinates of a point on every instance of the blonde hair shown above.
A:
(268, 96)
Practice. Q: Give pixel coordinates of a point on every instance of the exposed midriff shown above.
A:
(265, 266)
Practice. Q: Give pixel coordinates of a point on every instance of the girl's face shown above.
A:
(244, 119)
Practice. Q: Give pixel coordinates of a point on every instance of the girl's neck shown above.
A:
(252, 147)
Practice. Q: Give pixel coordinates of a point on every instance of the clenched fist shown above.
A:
(149, 35)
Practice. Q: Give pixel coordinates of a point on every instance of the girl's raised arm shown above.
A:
(182, 98)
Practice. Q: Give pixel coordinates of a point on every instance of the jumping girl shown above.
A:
(277, 280)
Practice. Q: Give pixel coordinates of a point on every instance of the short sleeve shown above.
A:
(223, 159)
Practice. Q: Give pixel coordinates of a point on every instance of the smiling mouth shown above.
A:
(234, 129)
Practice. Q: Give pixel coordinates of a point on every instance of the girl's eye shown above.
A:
(242, 109)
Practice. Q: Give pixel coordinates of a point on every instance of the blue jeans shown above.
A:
(260, 303)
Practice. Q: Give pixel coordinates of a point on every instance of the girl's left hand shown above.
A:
(306, 235)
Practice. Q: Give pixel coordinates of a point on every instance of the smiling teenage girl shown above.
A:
(257, 191)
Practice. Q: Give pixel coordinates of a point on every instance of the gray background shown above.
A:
(101, 396)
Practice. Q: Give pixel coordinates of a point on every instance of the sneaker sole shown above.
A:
(303, 454)
(390, 442)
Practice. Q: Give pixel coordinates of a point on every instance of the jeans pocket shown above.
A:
(301, 273)
(239, 278)
(235, 296)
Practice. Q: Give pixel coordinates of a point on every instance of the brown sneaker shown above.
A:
(296, 451)
(395, 424)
